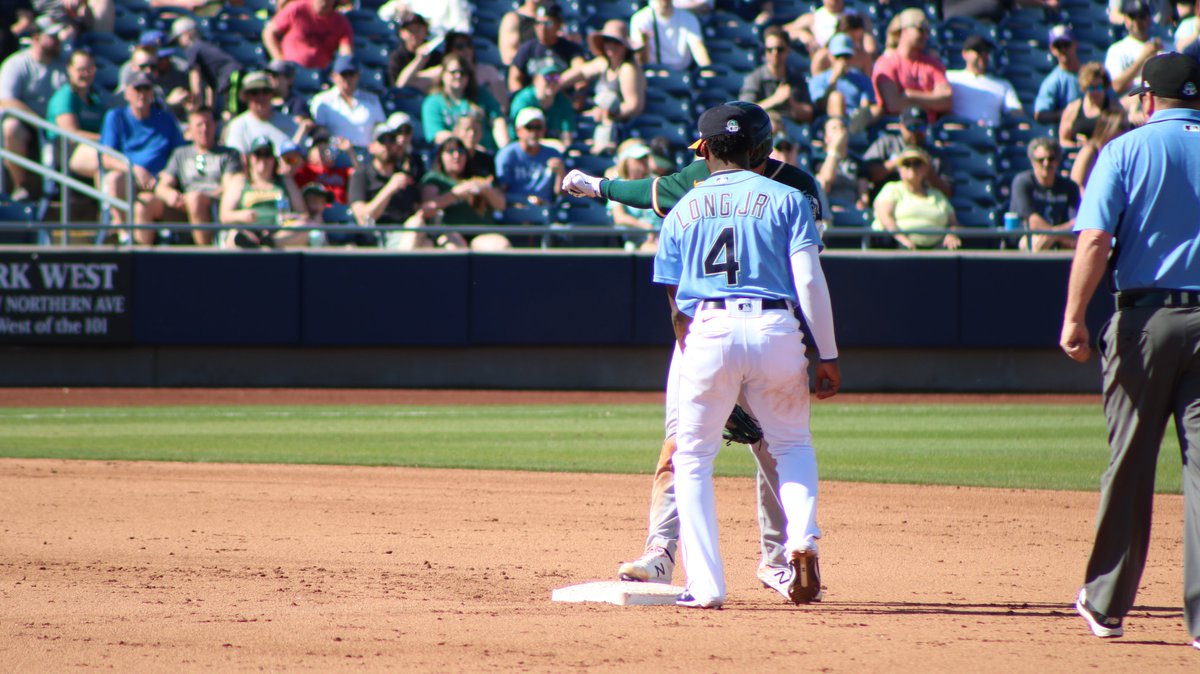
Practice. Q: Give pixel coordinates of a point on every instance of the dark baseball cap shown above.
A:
(139, 79)
(344, 63)
(413, 17)
(550, 13)
(978, 43)
(1061, 33)
(913, 115)
(1171, 75)
(1135, 8)
(723, 120)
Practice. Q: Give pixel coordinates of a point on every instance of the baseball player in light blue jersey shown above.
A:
(1139, 220)
(737, 253)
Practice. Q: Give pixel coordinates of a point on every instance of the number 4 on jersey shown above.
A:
(722, 257)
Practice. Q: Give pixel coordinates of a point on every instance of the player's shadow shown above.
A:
(999, 609)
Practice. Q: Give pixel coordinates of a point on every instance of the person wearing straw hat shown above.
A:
(261, 119)
(620, 84)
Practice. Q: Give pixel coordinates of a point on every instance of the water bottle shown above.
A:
(1012, 221)
(282, 206)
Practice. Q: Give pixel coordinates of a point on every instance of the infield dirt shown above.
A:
(213, 567)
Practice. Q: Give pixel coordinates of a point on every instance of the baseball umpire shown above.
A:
(1144, 193)
(657, 562)
(738, 254)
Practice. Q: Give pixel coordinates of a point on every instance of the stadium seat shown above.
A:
(726, 26)
(248, 26)
(373, 80)
(970, 164)
(108, 46)
(1020, 131)
(591, 164)
(17, 212)
(249, 54)
(741, 59)
(487, 51)
(406, 99)
(670, 108)
(648, 127)
(583, 212)
(371, 54)
(671, 81)
(953, 130)
(129, 25)
(524, 214)
(308, 81)
(974, 191)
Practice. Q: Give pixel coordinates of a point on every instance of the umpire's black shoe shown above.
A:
(806, 577)
(1102, 626)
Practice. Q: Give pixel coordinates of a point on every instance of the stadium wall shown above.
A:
(533, 319)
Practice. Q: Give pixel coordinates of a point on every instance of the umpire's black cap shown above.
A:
(1171, 75)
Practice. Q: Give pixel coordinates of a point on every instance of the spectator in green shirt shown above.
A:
(545, 94)
(79, 107)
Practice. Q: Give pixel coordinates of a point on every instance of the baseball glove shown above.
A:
(741, 428)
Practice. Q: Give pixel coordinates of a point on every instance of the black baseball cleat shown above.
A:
(1105, 627)
(806, 577)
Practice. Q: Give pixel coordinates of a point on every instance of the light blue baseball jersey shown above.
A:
(733, 236)
(1145, 191)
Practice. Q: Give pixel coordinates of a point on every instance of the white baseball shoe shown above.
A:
(806, 577)
(778, 578)
(686, 600)
(654, 566)
(1101, 625)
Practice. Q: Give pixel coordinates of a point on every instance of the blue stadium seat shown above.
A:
(591, 164)
(406, 99)
(669, 107)
(732, 54)
(1015, 131)
(371, 54)
(970, 164)
(730, 27)
(487, 51)
(976, 217)
(672, 81)
(953, 130)
(524, 214)
(373, 80)
(18, 212)
(973, 191)
(603, 10)
(246, 25)
(485, 25)
(583, 212)
(367, 24)
(108, 46)
(129, 25)
(249, 54)
(308, 81)
(108, 74)
(649, 127)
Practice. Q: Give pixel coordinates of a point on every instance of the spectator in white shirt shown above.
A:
(668, 37)
(347, 112)
(1125, 57)
(977, 95)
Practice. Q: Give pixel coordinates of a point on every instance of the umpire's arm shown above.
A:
(1091, 260)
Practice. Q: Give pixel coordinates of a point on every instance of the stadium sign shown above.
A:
(65, 298)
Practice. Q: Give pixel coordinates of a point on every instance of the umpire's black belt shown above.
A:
(766, 304)
(1142, 299)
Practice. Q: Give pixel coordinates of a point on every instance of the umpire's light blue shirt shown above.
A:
(1145, 191)
(734, 216)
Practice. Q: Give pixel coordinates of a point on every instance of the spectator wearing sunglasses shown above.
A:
(911, 203)
(529, 171)
(545, 95)
(548, 43)
(775, 86)
(843, 90)
(147, 134)
(456, 95)
(346, 110)
(197, 173)
(1044, 199)
(386, 189)
(261, 119)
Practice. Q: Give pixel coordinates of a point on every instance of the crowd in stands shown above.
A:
(257, 114)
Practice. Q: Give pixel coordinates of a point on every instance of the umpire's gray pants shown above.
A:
(1151, 366)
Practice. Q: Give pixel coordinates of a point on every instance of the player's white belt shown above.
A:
(736, 303)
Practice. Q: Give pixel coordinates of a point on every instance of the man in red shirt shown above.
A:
(308, 32)
(323, 167)
(906, 75)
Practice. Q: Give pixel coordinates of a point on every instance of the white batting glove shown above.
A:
(579, 184)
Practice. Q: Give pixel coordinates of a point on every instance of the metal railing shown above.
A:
(63, 177)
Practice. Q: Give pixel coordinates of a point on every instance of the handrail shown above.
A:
(63, 177)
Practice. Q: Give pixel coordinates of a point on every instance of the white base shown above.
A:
(619, 592)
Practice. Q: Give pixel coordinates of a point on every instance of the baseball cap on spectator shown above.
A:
(413, 17)
(257, 80)
(977, 43)
(397, 121)
(321, 135)
(529, 115)
(852, 20)
(45, 24)
(290, 148)
(841, 45)
(550, 12)
(181, 25)
(913, 116)
(156, 39)
(318, 188)
(281, 67)
(550, 67)
(261, 142)
(1061, 33)
(636, 150)
(1136, 9)
(1171, 75)
(344, 63)
(139, 79)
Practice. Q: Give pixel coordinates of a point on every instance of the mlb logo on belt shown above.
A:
(745, 305)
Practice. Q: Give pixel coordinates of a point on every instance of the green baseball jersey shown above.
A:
(662, 193)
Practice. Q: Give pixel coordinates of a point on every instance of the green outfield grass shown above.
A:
(1020, 446)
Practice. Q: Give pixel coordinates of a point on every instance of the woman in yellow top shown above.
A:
(910, 204)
